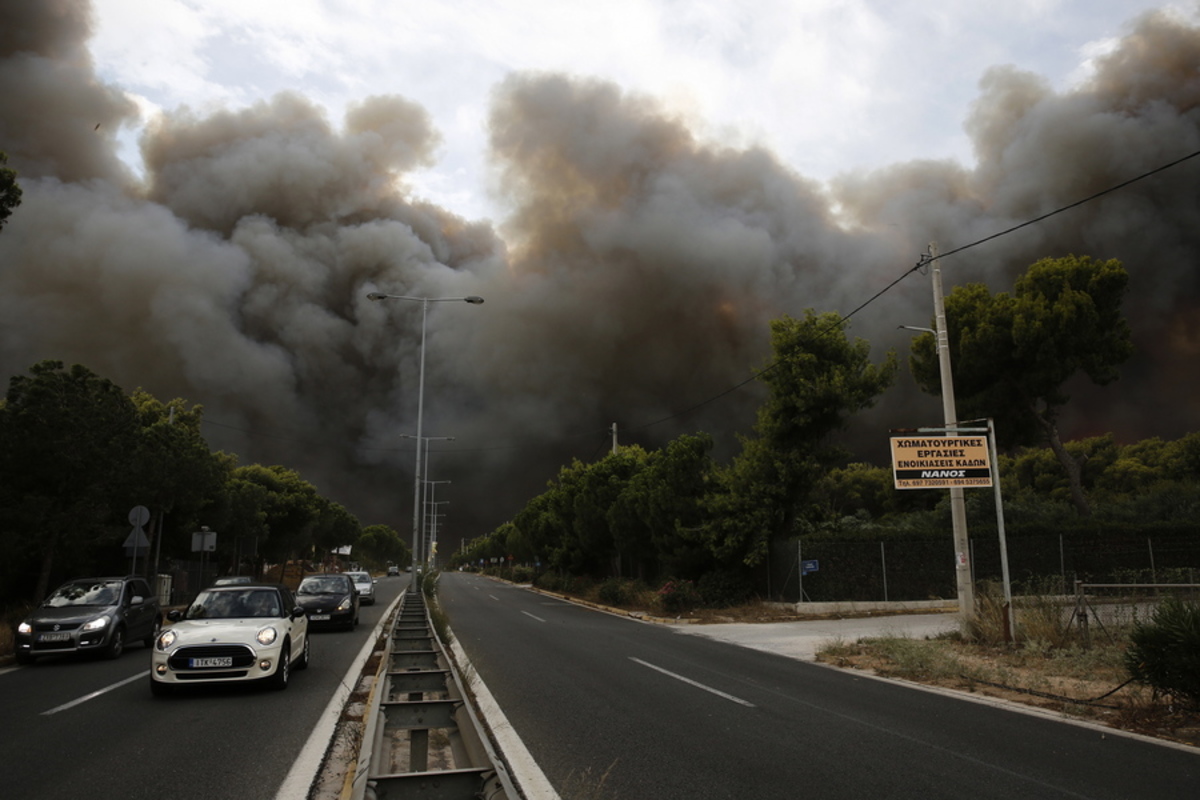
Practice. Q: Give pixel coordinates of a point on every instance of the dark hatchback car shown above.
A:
(330, 600)
(90, 615)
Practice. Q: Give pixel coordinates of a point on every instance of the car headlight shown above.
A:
(99, 623)
(346, 603)
(24, 627)
(166, 639)
(267, 636)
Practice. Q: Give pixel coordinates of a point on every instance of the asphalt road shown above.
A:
(73, 727)
(615, 709)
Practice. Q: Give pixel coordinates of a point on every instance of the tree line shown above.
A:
(77, 453)
(675, 513)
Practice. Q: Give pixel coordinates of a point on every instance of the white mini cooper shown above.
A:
(242, 632)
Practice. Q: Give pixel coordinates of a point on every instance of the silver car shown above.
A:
(365, 585)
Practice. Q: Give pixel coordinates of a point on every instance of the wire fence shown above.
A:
(864, 570)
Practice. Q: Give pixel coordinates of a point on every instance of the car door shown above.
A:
(140, 616)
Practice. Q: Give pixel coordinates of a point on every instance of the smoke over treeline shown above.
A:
(632, 282)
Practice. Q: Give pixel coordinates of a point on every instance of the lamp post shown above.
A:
(433, 518)
(425, 481)
(424, 301)
(430, 525)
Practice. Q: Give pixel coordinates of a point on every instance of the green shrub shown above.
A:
(1164, 653)
(521, 574)
(723, 589)
(616, 592)
(678, 596)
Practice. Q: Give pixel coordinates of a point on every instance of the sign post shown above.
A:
(955, 461)
(136, 540)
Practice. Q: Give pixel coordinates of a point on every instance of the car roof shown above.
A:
(241, 587)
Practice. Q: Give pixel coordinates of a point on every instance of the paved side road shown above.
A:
(802, 639)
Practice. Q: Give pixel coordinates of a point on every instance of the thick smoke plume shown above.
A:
(632, 282)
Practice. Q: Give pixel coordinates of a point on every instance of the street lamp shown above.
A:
(425, 482)
(424, 301)
(433, 518)
(429, 526)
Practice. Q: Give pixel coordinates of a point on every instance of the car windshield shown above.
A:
(85, 593)
(323, 585)
(235, 604)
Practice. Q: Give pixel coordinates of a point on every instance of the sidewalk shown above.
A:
(802, 639)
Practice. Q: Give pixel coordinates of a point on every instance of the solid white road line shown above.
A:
(303, 773)
(524, 770)
(691, 682)
(95, 694)
(535, 616)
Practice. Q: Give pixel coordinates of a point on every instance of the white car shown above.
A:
(237, 633)
(365, 585)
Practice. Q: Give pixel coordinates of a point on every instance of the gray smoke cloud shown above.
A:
(632, 282)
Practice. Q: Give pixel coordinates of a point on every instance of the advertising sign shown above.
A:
(940, 462)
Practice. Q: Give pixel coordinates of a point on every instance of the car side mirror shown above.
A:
(297, 612)
(175, 615)
(137, 600)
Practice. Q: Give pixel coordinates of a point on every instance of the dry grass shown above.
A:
(1087, 683)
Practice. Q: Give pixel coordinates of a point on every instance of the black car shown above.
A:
(330, 600)
(90, 615)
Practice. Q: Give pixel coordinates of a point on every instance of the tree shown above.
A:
(818, 379)
(335, 527)
(10, 190)
(1013, 354)
(174, 471)
(68, 439)
(658, 514)
(292, 509)
(381, 543)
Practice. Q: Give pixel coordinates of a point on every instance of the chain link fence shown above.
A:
(866, 570)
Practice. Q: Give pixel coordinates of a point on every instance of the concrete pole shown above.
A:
(416, 536)
(958, 509)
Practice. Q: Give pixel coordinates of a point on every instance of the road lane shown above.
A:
(576, 690)
(120, 742)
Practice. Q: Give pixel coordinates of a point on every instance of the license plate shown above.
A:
(202, 663)
(319, 617)
(54, 637)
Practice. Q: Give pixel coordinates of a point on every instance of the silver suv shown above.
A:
(90, 615)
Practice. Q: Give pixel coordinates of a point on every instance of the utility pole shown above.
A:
(614, 433)
(958, 508)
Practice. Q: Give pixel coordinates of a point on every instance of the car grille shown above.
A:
(210, 675)
(55, 626)
(243, 657)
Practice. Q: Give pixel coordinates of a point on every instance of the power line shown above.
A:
(921, 263)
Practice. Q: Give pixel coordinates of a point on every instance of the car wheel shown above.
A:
(160, 689)
(116, 645)
(149, 640)
(25, 658)
(302, 662)
(279, 680)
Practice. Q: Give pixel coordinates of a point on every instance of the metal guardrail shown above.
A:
(422, 737)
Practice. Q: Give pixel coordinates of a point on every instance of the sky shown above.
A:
(828, 85)
(637, 189)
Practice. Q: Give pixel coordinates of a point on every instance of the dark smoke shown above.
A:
(632, 282)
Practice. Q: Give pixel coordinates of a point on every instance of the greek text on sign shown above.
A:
(940, 462)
